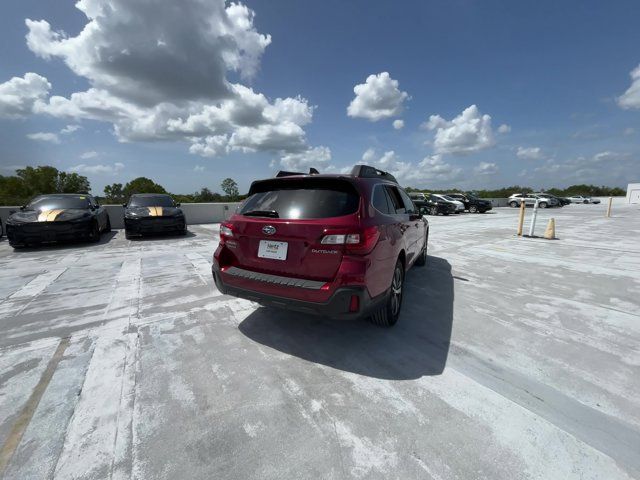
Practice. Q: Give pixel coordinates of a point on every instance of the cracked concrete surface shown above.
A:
(513, 358)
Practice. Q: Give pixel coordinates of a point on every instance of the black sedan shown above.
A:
(472, 203)
(153, 213)
(56, 218)
(432, 205)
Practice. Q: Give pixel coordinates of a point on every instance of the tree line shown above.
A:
(29, 182)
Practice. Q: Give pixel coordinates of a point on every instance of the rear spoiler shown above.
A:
(283, 173)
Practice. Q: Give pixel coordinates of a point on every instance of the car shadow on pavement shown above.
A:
(416, 346)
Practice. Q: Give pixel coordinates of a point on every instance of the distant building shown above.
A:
(633, 193)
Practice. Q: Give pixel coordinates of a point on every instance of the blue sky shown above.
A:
(490, 93)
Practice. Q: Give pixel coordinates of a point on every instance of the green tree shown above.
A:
(206, 195)
(31, 181)
(38, 180)
(230, 188)
(142, 185)
(113, 193)
(72, 183)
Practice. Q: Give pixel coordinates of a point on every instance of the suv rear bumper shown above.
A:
(337, 306)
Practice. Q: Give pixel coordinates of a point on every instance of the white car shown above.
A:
(579, 199)
(544, 201)
(445, 198)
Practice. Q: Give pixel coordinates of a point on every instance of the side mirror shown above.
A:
(23, 207)
(124, 205)
(414, 216)
(178, 204)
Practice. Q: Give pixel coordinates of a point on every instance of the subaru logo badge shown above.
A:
(268, 229)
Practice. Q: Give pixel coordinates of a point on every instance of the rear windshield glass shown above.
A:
(301, 199)
(53, 202)
(153, 201)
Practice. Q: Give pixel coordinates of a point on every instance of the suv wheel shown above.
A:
(433, 211)
(513, 204)
(388, 314)
(421, 261)
(542, 204)
(473, 209)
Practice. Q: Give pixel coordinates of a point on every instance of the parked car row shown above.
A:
(445, 204)
(68, 217)
(546, 200)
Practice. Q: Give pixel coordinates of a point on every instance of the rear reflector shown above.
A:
(354, 304)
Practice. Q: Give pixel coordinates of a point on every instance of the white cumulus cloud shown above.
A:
(98, 169)
(486, 168)
(504, 128)
(430, 171)
(19, 97)
(631, 98)
(88, 155)
(318, 158)
(530, 153)
(44, 137)
(467, 133)
(160, 74)
(378, 98)
(398, 124)
(69, 129)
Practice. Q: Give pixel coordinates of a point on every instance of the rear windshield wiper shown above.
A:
(261, 213)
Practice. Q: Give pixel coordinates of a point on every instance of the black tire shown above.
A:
(107, 228)
(585, 202)
(421, 261)
(542, 204)
(94, 234)
(433, 211)
(388, 314)
(514, 204)
(473, 209)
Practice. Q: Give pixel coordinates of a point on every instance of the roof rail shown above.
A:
(371, 172)
(283, 173)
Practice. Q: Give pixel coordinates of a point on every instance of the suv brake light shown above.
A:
(226, 231)
(359, 243)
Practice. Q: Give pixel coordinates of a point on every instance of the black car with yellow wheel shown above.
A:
(55, 218)
(153, 213)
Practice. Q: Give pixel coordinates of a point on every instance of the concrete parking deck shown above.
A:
(513, 358)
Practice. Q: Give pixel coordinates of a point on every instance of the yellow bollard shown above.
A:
(521, 218)
(550, 232)
(609, 207)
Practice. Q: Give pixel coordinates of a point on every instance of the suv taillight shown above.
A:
(357, 243)
(226, 231)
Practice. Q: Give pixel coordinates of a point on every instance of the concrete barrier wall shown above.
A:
(196, 213)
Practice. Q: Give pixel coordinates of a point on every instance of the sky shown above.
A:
(465, 93)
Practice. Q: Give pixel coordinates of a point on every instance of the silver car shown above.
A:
(529, 199)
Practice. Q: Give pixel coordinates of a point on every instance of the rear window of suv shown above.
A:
(301, 199)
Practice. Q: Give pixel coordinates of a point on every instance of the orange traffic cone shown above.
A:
(550, 232)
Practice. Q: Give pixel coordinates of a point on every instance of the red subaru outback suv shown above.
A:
(334, 245)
